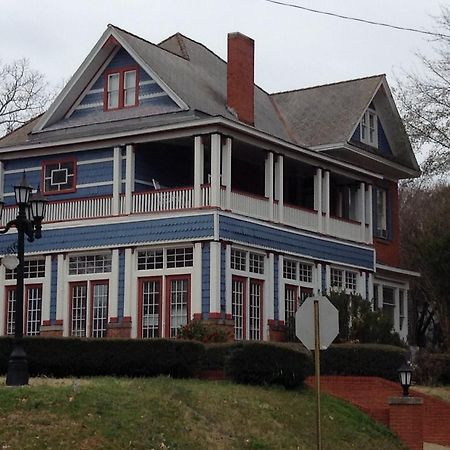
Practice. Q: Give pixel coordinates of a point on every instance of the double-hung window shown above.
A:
(369, 128)
(121, 88)
(345, 280)
(381, 213)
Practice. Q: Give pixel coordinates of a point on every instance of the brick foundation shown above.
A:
(51, 331)
(119, 330)
(406, 420)
(276, 331)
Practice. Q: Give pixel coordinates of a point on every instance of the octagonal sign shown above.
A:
(328, 322)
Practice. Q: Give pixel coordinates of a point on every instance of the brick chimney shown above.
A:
(240, 77)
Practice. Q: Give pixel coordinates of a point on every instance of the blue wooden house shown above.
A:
(180, 190)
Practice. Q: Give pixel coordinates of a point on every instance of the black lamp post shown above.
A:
(405, 374)
(28, 222)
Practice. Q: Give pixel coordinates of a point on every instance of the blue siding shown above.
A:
(222, 279)
(383, 144)
(132, 233)
(121, 290)
(205, 279)
(151, 96)
(277, 239)
(276, 305)
(357, 134)
(53, 292)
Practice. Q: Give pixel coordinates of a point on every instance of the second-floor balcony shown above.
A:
(156, 179)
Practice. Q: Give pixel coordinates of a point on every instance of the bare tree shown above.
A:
(23, 94)
(424, 102)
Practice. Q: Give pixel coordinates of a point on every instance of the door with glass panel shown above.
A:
(238, 303)
(255, 310)
(178, 298)
(149, 308)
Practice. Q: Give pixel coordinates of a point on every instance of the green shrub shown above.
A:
(432, 368)
(358, 323)
(62, 357)
(216, 355)
(264, 363)
(363, 360)
(198, 330)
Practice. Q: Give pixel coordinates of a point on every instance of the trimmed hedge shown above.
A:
(373, 360)
(264, 364)
(216, 355)
(62, 357)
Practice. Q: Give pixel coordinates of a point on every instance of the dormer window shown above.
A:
(121, 89)
(369, 128)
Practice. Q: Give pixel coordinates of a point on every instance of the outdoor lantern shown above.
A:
(22, 191)
(405, 373)
(38, 205)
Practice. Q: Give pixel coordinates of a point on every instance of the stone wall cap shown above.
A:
(405, 401)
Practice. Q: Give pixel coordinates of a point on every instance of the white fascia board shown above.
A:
(73, 81)
(150, 72)
(397, 270)
(208, 125)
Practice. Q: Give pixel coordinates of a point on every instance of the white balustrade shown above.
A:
(300, 218)
(162, 200)
(206, 195)
(250, 205)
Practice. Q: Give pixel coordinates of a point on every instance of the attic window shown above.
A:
(369, 128)
(121, 89)
(59, 176)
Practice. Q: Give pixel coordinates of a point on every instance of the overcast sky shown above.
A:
(293, 48)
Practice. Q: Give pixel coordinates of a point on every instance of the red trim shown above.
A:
(92, 284)
(275, 323)
(343, 219)
(242, 280)
(261, 306)
(197, 316)
(141, 281)
(46, 323)
(46, 163)
(126, 319)
(121, 72)
(214, 315)
(168, 292)
(111, 41)
(71, 286)
(228, 316)
(26, 301)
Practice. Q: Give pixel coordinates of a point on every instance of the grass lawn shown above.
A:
(161, 413)
(442, 392)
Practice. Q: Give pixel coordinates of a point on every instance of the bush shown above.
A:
(363, 360)
(216, 355)
(357, 321)
(432, 368)
(200, 331)
(263, 364)
(62, 357)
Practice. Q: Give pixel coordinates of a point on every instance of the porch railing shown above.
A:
(162, 200)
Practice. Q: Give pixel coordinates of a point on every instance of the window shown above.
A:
(369, 128)
(150, 259)
(289, 269)
(59, 176)
(34, 268)
(294, 296)
(381, 213)
(32, 309)
(150, 308)
(170, 258)
(241, 260)
(178, 303)
(389, 303)
(402, 308)
(344, 279)
(238, 259)
(89, 308)
(89, 264)
(180, 257)
(256, 263)
(121, 89)
(238, 307)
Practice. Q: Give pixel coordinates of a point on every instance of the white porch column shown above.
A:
(269, 177)
(117, 180)
(326, 200)
(46, 289)
(226, 171)
(214, 277)
(228, 282)
(318, 197)
(362, 209)
(370, 284)
(2, 300)
(2, 180)
(269, 307)
(369, 212)
(279, 194)
(318, 280)
(62, 299)
(327, 279)
(196, 302)
(281, 293)
(114, 285)
(215, 169)
(199, 155)
(129, 178)
(362, 285)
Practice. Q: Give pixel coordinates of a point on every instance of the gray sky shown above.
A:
(293, 48)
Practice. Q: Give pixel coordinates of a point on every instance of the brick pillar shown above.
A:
(277, 332)
(406, 420)
(51, 330)
(119, 329)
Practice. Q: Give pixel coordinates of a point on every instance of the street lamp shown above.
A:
(28, 222)
(405, 374)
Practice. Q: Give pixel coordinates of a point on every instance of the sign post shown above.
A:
(316, 325)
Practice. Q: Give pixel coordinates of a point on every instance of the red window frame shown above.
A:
(242, 280)
(121, 71)
(170, 278)
(10, 288)
(141, 282)
(261, 307)
(92, 284)
(27, 288)
(59, 161)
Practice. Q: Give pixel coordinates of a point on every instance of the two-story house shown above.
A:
(178, 189)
